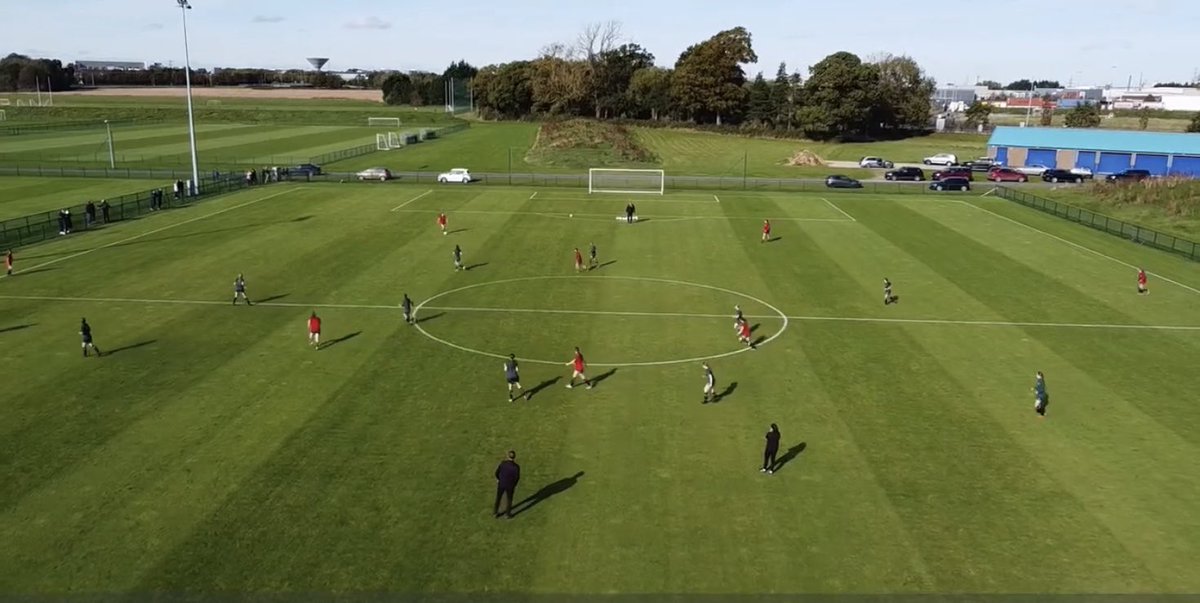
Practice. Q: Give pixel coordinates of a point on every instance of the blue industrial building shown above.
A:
(1102, 151)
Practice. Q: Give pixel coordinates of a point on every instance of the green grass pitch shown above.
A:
(213, 451)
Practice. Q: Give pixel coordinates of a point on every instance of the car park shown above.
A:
(1129, 176)
(946, 159)
(458, 175)
(375, 173)
(905, 173)
(1061, 176)
(1085, 172)
(1034, 169)
(1003, 174)
(954, 172)
(840, 181)
(983, 164)
(951, 184)
(307, 169)
(875, 162)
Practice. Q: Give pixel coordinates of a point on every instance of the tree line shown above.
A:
(19, 72)
(602, 76)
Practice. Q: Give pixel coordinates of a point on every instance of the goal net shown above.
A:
(383, 122)
(3, 115)
(381, 142)
(626, 181)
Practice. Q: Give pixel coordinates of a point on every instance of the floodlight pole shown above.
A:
(187, 80)
(112, 159)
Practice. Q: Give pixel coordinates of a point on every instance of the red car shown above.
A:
(1003, 174)
(953, 173)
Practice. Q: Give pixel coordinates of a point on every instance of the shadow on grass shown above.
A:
(428, 318)
(267, 300)
(342, 339)
(608, 263)
(34, 271)
(758, 342)
(790, 455)
(17, 327)
(546, 493)
(728, 391)
(474, 266)
(541, 386)
(457, 230)
(140, 344)
(602, 376)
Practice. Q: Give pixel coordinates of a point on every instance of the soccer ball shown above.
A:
(570, 215)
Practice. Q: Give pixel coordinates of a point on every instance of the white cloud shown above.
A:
(266, 19)
(369, 23)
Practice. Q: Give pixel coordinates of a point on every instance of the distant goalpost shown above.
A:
(383, 122)
(388, 141)
(3, 115)
(626, 181)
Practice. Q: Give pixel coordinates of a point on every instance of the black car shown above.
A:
(905, 173)
(307, 169)
(839, 181)
(1129, 176)
(983, 164)
(951, 184)
(1061, 176)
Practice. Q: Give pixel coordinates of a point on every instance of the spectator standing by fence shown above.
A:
(104, 210)
(89, 214)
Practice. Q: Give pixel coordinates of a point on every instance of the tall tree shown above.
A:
(593, 45)
(839, 96)
(505, 91)
(784, 92)
(397, 89)
(650, 92)
(761, 110)
(461, 70)
(1020, 85)
(709, 82)
(612, 75)
(1047, 116)
(1085, 115)
(978, 114)
(560, 83)
(902, 94)
(990, 84)
(1194, 125)
(1143, 119)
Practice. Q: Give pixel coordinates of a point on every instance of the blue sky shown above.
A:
(1105, 41)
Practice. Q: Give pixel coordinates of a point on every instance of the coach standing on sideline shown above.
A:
(771, 450)
(507, 476)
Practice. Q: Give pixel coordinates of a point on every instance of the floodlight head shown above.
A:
(317, 62)
(183, 4)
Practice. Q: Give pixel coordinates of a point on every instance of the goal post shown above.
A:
(383, 122)
(626, 181)
(393, 139)
(381, 142)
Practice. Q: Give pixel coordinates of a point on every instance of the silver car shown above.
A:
(375, 173)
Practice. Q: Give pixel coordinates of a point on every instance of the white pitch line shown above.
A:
(649, 218)
(718, 199)
(533, 195)
(411, 200)
(860, 319)
(840, 210)
(1081, 247)
(150, 232)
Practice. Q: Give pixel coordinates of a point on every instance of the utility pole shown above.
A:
(112, 158)
(187, 78)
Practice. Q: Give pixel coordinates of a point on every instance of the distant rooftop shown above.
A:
(1087, 139)
(110, 65)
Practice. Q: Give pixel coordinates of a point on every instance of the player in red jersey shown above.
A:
(744, 333)
(1142, 289)
(578, 261)
(578, 367)
(8, 262)
(441, 221)
(314, 330)
(766, 231)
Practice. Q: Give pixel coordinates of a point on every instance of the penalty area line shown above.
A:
(839, 210)
(402, 205)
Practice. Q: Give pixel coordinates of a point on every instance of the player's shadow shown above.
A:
(267, 300)
(725, 393)
(342, 339)
(790, 455)
(140, 344)
(895, 300)
(758, 342)
(755, 327)
(773, 239)
(34, 271)
(302, 219)
(602, 376)
(17, 327)
(546, 493)
(541, 386)
(428, 317)
(608, 263)
(474, 266)
(457, 230)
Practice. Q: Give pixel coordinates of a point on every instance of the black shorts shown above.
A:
(1040, 406)
(513, 380)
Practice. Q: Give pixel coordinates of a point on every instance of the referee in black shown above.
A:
(507, 476)
(771, 450)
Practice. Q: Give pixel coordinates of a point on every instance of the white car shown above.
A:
(941, 159)
(1082, 171)
(1035, 169)
(875, 162)
(375, 173)
(460, 175)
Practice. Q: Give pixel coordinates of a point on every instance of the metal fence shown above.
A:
(17, 129)
(1113, 226)
(340, 154)
(35, 228)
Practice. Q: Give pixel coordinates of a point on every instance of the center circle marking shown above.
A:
(417, 310)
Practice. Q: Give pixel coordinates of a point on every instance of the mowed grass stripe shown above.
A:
(73, 143)
(24, 196)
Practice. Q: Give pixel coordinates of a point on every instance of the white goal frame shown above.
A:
(593, 189)
(3, 115)
(383, 121)
(394, 140)
(381, 142)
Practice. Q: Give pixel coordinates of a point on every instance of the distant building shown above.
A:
(1102, 151)
(945, 96)
(109, 66)
(1168, 99)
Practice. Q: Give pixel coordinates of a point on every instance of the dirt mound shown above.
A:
(805, 157)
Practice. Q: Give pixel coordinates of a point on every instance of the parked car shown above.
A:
(905, 173)
(1061, 176)
(875, 162)
(1085, 172)
(1034, 169)
(1129, 176)
(951, 184)
(375, 173)
(307, 169)
(839, 181)
(1003, 174)
(954, 172)
(459, 175)
(941, 159)
(983, 164)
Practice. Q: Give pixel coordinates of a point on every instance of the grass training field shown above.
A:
(211, 450)
(21, 196)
